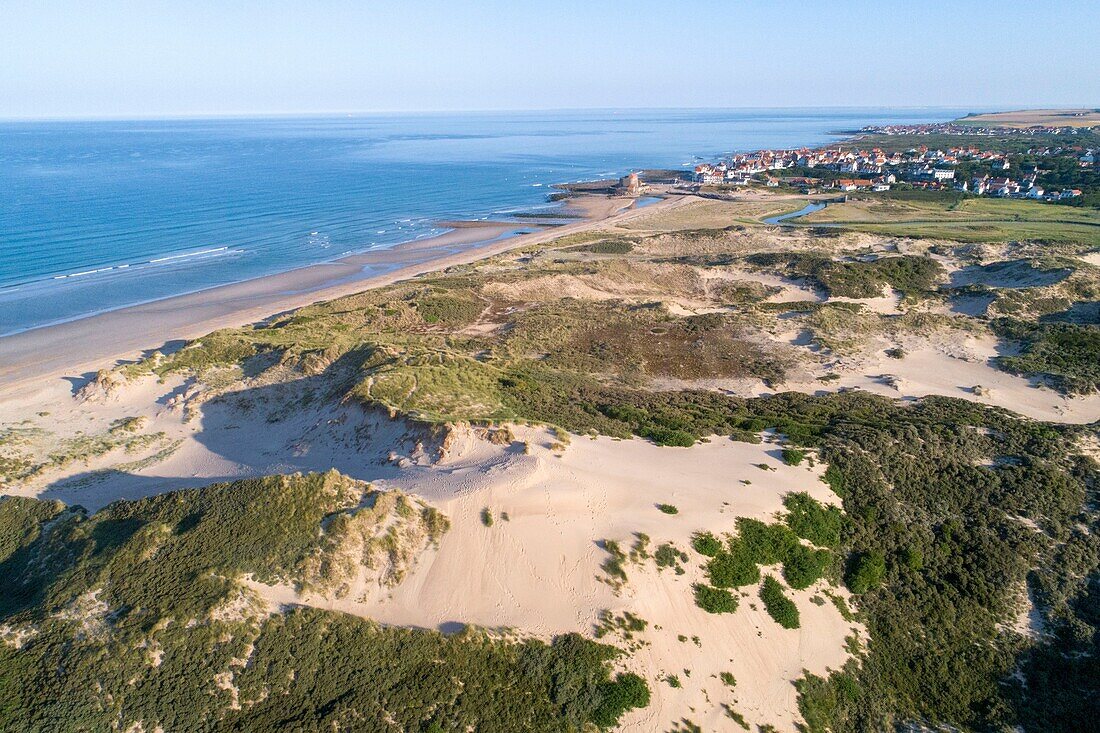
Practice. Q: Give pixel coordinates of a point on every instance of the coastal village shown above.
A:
(849, 167)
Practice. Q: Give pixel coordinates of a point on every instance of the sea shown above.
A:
(99, 215)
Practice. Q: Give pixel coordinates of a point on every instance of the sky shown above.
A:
(137, 58)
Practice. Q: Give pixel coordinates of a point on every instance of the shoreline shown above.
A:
(461, 233)
(76, 347)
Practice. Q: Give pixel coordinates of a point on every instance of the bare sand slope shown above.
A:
(538, 571)
(951, 365)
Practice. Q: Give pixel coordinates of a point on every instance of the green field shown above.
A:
(965, 220)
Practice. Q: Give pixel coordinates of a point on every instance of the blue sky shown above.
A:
(62, 58)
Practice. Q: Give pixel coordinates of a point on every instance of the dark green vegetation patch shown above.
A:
(135, 613)
(714, 600)
(1067, 354)
(909, 274)
(811, 520)
(779, 607)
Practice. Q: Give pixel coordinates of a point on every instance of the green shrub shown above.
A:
(668, 509)
(666, 555)
(668, 437)
(706, 543)
(614, 564)
(779, 607)
(714, 600)
(793, 456)
(487, 517)
(813, 521)
(804, 566)
(866, 572)
(766, 544)
(626, 692)
(733, 569)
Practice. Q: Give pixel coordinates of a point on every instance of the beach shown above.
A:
(77, 347)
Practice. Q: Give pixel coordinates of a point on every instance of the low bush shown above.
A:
(803, 566)
(779, 607)
(733, 569)
(666, 555)
(766, 544)
(813, 521)
(793, 456)
(706, 543)
(865, 572)
(626, 692)
(714, 600)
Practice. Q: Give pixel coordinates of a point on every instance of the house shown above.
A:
(1003, 187)
(1070, 193)
(853, 184)
(709, 175)
(1035, 192)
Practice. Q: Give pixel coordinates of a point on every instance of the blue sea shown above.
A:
(98, 215)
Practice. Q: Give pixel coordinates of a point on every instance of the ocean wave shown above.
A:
(166, 260)
(188, 254)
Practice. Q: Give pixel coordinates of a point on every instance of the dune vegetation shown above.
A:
(137, 614)
(967, 533)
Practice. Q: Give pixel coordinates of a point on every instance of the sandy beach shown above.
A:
(87, 344)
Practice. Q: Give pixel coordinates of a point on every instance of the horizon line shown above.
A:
(206, 115)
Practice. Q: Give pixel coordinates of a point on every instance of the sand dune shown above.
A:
(538, 571)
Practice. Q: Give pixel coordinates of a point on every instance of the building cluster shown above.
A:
(954, 128)
(1005, 187)
(878, 170)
